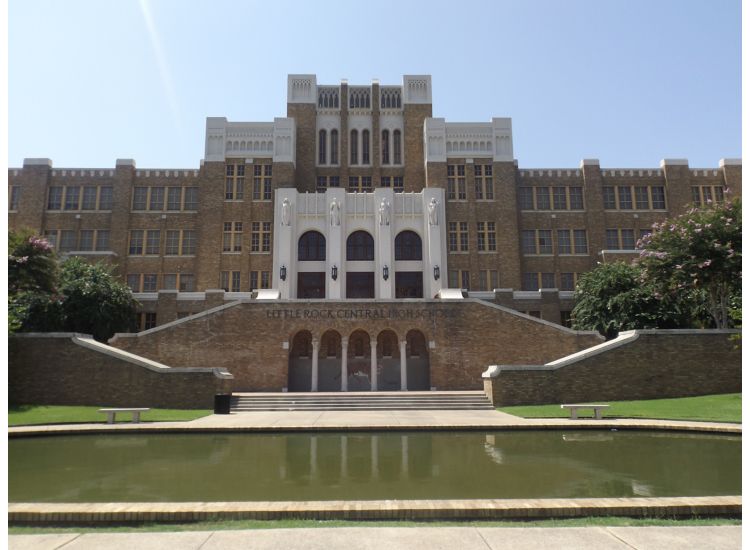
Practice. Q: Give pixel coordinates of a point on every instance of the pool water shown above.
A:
(371, 466)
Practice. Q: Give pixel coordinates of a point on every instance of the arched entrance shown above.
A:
(417, 361)
(329, 362)
(359, 361)
(389, 362)
(300, 362)
(360, 252)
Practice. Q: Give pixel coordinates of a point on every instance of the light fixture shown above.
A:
(334, 273)
(385, 272)
(436, 272)
(282, 273)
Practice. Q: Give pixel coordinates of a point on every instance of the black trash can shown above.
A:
(222, 403)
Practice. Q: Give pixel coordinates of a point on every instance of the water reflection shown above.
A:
(420, 465)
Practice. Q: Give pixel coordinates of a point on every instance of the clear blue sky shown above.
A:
(627, 81)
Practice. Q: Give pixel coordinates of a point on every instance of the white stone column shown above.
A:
(402, 345)
(374, 365)
(314, 374)
(344, 363)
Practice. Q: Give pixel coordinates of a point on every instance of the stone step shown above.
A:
(349, 408)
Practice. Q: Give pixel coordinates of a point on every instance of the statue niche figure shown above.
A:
(335, 213)
(384, 212)
(286, 211)
(432, 211)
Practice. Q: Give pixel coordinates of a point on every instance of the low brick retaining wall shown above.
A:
(74, 369)
(639, 364)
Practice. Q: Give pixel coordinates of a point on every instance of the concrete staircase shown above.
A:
(361, 401)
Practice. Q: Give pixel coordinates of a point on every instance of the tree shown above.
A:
(613, 297)
(698, 258)
(94, 301)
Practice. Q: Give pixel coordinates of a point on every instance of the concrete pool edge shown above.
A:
(60, 514)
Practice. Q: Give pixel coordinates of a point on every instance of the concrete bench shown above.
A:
(136, 412)
(597, 407)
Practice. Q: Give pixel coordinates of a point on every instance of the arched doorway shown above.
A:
(359, 361)
(329, 362)
(408, 248)
(311, 247)
(389, 362)
(300, 362)
(360, 247)
(417, 361)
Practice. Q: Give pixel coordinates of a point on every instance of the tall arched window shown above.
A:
(365, 146)
(408, 246)
(311, 247)
(360, 246)
(334, 146)
(385, 147)
(396, 146)
(353, 146)
(322, 147)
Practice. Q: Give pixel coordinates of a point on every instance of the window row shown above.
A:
(234, 182)
(539, 241)
(148, 282)
(550, 198)
(161, 199)
(703, 195)
(458, 237)
(230, 281)
(328, 98)
(77, 197)
(360, 246)
(623, 239)
(536, 280)
(84, 240)
(177, 242)
(328, 147)
(487, 279)
(634, 197)
(260, 237)
(359, 184)
(483, 186)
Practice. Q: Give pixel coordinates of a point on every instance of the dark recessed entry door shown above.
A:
(311, 285)
(409, 284)
(360, 285)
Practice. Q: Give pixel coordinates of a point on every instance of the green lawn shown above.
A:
(27, 415)
(720, 408)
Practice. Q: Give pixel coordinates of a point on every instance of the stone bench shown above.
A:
(136, 412)
(597, 407)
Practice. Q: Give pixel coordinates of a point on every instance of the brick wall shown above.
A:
(57, 369)
(643, 364)
(252, 339)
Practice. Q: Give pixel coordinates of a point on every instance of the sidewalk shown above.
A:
(401, 538)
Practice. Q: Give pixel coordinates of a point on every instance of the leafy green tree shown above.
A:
(613, 297)
(697, 258)
(94, 301)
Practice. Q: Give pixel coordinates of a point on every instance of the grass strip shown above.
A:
(30, 415)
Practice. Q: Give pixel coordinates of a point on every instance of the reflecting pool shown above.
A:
(371, 466)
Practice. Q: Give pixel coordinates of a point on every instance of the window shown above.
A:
(152, 241)
(156, 200)
(262, 182)
(641, 197)
(13, 198)
(140, 195)
(535, 281)
(385, 147)
(180, 242)
(365, 146)
(658, 200)
(563, 241)
(353, 147)
(230, 281)
(483, 182)
(136, 243)
(528, 241)
(568, 281)
(311, 247)
(186, 282)
(360, 184)
(324, 182)
(149, 320)
(458, 236)
(72, 195)
(232, 241)
(334, 146)
(134, 282)
(488, 279)
(260, 237)
(234, 186)
(54, 198)
(704, 195)
(580, 241)
(620, 239)
(322, 137)
(102, 240)
(86, 240)
(572, 241)
(360, 246)
(142, 282)
(149, 282)
(260, 279)
(566, 319)
(644, 197)
(526, 198)
(174, 198)
(542, 198)
(456, 182)
(89, 198)
(536, 241)
(459, 278)
(408, 246)
(609, 198)
(67, 240)
(396, 181)
(559, 198)
(625, 198)
(576, 198)
(486, 237)
(169, 281)
(191, 198)
(396, 146)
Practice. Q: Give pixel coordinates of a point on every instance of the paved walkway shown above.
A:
(398, 538)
